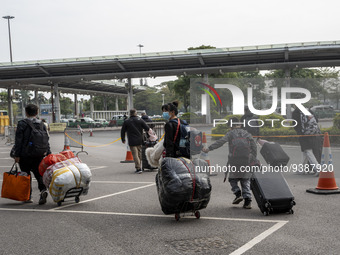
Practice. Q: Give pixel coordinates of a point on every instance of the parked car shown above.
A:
(103, 122)
(323, 111)
(85, 123)
(116, 121)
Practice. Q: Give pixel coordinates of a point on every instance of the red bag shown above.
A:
(50, 160)
(68, 154)
(16, 186)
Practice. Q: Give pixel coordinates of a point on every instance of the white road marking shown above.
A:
(6, 158)
(110, 195)
(258, 238)
(279, 223)
(244, 248)
(96, 167)
(120, 182)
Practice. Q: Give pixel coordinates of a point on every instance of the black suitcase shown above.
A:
(272, 193)
(145, 163)
(273, 154)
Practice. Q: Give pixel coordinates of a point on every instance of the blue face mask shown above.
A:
(166, 115)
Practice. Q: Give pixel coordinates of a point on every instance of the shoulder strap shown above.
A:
(132, 124)
(178, 124)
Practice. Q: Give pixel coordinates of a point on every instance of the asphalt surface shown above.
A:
(122, 215)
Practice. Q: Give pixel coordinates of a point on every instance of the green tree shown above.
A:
(66, 105)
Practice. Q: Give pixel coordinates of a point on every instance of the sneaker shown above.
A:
(247, 204)
(237, 199)
(139, 171)
(43, 196)
(29, 201)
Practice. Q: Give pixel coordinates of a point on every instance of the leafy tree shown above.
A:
(303, 78)
(66, 105)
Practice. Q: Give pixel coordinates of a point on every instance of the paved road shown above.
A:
(121, 214)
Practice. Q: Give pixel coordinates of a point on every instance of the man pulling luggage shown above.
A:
(242, 151)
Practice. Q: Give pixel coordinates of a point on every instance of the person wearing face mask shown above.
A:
(172, 131)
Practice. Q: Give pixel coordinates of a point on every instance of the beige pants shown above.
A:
(137, 155)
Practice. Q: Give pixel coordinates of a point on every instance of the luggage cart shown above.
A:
(191, 206)
(74, 192)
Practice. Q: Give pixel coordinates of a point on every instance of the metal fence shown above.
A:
(74, 138)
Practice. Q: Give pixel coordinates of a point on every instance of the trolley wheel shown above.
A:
(197, 214)
(59, 203)
(177, 217)
(267, 205)
(77, 199)
(265, 213)
(291, 211)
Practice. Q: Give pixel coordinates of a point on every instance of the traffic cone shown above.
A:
(129, 157)
(326, 184)
(66, 144)
(91, 132)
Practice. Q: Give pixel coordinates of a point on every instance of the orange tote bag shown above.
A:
(16, 185)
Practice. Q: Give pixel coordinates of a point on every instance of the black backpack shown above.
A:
(37, 144)
(239, 153)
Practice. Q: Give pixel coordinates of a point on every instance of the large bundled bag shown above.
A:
(16, 185)
(180, 188)
(68, 154)
(47, 177)
(50, 160)
(71, 176)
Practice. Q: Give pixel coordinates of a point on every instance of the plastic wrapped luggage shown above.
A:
(272, 193)
(273, 154)
(71, 180)
(181, 188)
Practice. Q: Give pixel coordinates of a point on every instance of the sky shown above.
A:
(49, 29)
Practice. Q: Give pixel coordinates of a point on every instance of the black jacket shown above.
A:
(255, 131)
(306, 142)
(170, 145)
(146, 118)
(134, 127)
(22, 136)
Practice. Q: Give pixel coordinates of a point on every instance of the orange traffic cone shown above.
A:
(129, 157)
(66, 143)
(326, 184)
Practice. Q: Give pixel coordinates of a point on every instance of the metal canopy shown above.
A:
(71, 73)
(82, 87)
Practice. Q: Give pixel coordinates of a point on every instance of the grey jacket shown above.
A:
(227, 138)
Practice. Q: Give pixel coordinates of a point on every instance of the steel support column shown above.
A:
(287, 84)
(56, 103)
(208, 116)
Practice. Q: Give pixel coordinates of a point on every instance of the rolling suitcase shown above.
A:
(272, 193)
(145, 163)
(273, 154)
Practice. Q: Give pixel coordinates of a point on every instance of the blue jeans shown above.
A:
(245, 184)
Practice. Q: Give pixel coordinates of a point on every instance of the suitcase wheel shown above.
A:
(197, 214)
(265, 213)
(291, 211)
(77, 199)
(293, 203)
(59, 203)
(267, 205)
(177, 217)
